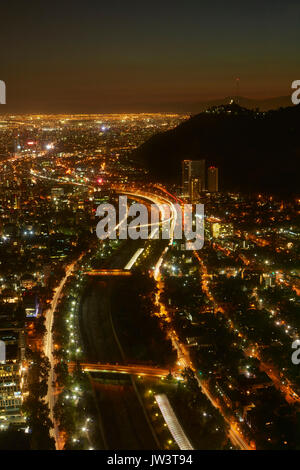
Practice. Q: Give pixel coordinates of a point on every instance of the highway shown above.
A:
(160, 201)
(48, 351)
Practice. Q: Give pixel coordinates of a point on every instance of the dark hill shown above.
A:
(254, 151)
(200, 106)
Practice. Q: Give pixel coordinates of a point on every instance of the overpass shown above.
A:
(134, 369)
(107, 272)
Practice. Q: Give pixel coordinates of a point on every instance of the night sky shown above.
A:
(127, 55)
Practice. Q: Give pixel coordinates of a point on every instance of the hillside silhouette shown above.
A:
(255, 151)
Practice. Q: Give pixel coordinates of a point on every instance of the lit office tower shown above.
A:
(11, 378)
(195, 189)
(186, 177)
(192, 169)
(213, 179)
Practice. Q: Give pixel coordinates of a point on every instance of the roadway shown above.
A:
(48, 351)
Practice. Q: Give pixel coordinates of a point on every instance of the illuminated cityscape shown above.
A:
(216, 324)
(141, 340)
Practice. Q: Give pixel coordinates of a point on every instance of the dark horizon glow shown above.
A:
(119, 56)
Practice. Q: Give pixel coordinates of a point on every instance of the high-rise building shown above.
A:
(192, 169)
(17, 202)
(195, 189)
(213, 179)
(186, 177)
(11, 377)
